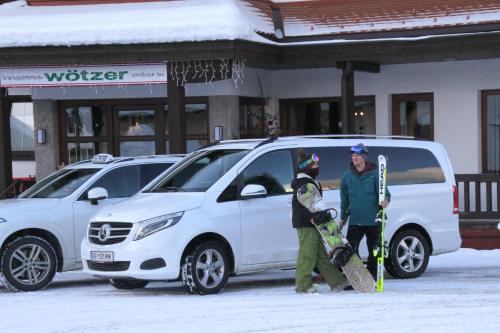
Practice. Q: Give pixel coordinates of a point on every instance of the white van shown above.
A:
(226, 209)
(41, 231)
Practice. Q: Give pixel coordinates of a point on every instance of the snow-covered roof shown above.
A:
(252, 20)
(131, 23)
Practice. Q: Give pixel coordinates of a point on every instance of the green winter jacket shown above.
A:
(359, 196)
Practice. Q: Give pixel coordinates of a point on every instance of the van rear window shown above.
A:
(405, 165)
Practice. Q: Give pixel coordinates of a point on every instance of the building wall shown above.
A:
(456, 86)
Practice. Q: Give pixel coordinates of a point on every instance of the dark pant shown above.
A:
(355, 234)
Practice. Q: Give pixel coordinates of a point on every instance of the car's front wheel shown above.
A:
(28, 264)
(206, 269)
(128, 284)
(408, 255)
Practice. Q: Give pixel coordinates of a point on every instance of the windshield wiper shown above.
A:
(168, 189)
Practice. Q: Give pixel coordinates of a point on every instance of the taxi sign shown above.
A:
(102, 158)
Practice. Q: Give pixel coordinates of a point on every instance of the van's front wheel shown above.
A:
(408, 255)
(206, 269)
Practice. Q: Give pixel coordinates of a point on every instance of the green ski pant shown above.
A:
(312, 254)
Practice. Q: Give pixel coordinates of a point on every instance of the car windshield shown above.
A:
(200, 172)
(60, 184)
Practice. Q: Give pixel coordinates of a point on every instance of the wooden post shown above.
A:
(347, 95)
(5, 148)
(176, 118)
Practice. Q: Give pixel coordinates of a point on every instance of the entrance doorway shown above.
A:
(317, 116)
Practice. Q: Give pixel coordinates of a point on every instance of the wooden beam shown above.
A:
(176, 118)
(5, 148)
(347, 96)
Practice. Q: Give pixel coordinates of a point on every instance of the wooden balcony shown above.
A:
(479, 206)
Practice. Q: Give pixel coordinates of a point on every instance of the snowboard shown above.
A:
(343, 256)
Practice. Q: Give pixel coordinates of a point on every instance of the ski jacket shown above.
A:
(307, 199)
(359, 196)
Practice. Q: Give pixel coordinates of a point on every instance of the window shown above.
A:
(61, 184)
(323, 116)
(272, 170)
(126, 127)
(490, 134)
(22, 131)
(413, 115)
(252, 118)
(333, 162)
(200, 172)
(86, 132)
(196, 124)
(405, 165)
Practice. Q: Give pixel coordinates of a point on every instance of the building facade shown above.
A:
(252, 69)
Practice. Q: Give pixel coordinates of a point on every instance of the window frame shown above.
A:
(484, 128)
(19, 155)
(414, 97)
(260, 101)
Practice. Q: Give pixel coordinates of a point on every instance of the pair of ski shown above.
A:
(343, 255)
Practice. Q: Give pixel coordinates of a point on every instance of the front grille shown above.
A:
(115, 266)
(119, 232)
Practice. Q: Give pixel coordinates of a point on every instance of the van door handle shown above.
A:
(289, 201)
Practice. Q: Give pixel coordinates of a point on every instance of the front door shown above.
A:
(266, 226)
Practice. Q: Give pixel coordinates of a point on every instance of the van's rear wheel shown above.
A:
(128, 284)
(206, 269)
(408, 255)
(28, 264)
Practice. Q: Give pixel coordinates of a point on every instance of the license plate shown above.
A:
(102, 256)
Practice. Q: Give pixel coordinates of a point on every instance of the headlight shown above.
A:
(2, 220)
(156, 224)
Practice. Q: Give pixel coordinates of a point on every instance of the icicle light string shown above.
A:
(182, 72)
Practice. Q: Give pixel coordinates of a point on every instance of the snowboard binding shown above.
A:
(341, 255)
(324, 216)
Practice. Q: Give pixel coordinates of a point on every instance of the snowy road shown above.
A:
(460, 292)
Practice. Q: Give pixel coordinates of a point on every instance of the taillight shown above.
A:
(455, 200)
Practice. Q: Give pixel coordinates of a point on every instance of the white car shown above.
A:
(226, 209)
(41, 231)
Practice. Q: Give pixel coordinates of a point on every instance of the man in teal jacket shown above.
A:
(359, 203)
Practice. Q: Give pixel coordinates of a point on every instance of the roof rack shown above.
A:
(352, 136)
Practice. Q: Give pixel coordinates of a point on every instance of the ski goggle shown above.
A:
(313, 159)
(357, 150)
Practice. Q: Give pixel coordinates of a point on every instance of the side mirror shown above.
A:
(252, 191)
(96, 194)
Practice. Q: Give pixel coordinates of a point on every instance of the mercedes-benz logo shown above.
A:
(104, 232)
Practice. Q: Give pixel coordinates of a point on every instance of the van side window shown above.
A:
(333, 162)
(407, 165)
(272, 170)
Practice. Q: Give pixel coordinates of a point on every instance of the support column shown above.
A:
(224, 111)
(176, 118)
(5, 147)
(46, 155)
(347, 96)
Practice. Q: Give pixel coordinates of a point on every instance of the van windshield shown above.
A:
(200, 172)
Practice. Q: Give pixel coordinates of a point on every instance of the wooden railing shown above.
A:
(479, 207)
(479, 196)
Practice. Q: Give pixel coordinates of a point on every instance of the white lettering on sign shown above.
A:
(83, 75)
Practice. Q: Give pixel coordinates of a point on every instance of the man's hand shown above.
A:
(312, 221)
(384, 204)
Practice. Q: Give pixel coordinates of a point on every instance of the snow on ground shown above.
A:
(460, 292)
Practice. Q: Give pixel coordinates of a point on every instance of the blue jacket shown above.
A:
(359, 196)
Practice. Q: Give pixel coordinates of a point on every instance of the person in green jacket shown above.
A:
(359, 203)
(308, 200)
